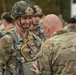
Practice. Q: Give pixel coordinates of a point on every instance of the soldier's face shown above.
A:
(35, 20)
(25, 22)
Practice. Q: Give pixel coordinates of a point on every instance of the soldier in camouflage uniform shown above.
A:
(71, 27)
(58, 52)
(18, 51)
(35, 27)
(7, 21)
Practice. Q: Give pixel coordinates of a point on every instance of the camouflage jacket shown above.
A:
(70, 28)
(2, 27)
(8, 52)
(58, 55)
(39, 32)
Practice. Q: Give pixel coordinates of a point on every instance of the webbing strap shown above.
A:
(13, 35)
(23, 46)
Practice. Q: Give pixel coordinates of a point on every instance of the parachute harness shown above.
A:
(23, 46)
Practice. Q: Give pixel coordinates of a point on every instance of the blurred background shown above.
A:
(59, 7)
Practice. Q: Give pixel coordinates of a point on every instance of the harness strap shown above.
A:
(23, 48)
(19, 47)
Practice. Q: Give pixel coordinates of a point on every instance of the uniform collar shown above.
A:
(59, 32)
(20, 38)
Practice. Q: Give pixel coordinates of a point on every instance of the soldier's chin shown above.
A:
(26, 28)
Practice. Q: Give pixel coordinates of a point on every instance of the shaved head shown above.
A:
(52, 22)
(52, 19)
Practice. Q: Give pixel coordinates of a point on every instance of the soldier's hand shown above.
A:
(36, 69)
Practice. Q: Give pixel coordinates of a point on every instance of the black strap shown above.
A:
(41, 33)
(36, 42)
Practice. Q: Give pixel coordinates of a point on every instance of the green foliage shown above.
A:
(48, 6)
(8, 5)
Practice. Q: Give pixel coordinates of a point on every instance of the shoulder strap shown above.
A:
(13, 35)
(17, 44)
(41, 33)
(18, 54)
(36, 42)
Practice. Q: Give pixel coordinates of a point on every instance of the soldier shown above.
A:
(62, 19)
(71, 27)
(35, 27)
(7, 21)
(58, 52)
(19, 47)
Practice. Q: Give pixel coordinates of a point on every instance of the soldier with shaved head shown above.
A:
(58, 53)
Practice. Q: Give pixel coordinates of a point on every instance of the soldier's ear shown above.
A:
(48, 29)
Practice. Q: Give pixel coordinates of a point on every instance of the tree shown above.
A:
(48, 6)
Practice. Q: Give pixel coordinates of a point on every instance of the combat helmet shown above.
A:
(38, 10)
(22, 8)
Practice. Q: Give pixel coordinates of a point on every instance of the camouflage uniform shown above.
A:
(36, 28)
(7, 49)
(70, 28)
(2, 27)
(39, 31)
(58, 55)
(17, 57)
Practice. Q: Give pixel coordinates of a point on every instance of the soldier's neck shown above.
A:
(23, 33)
